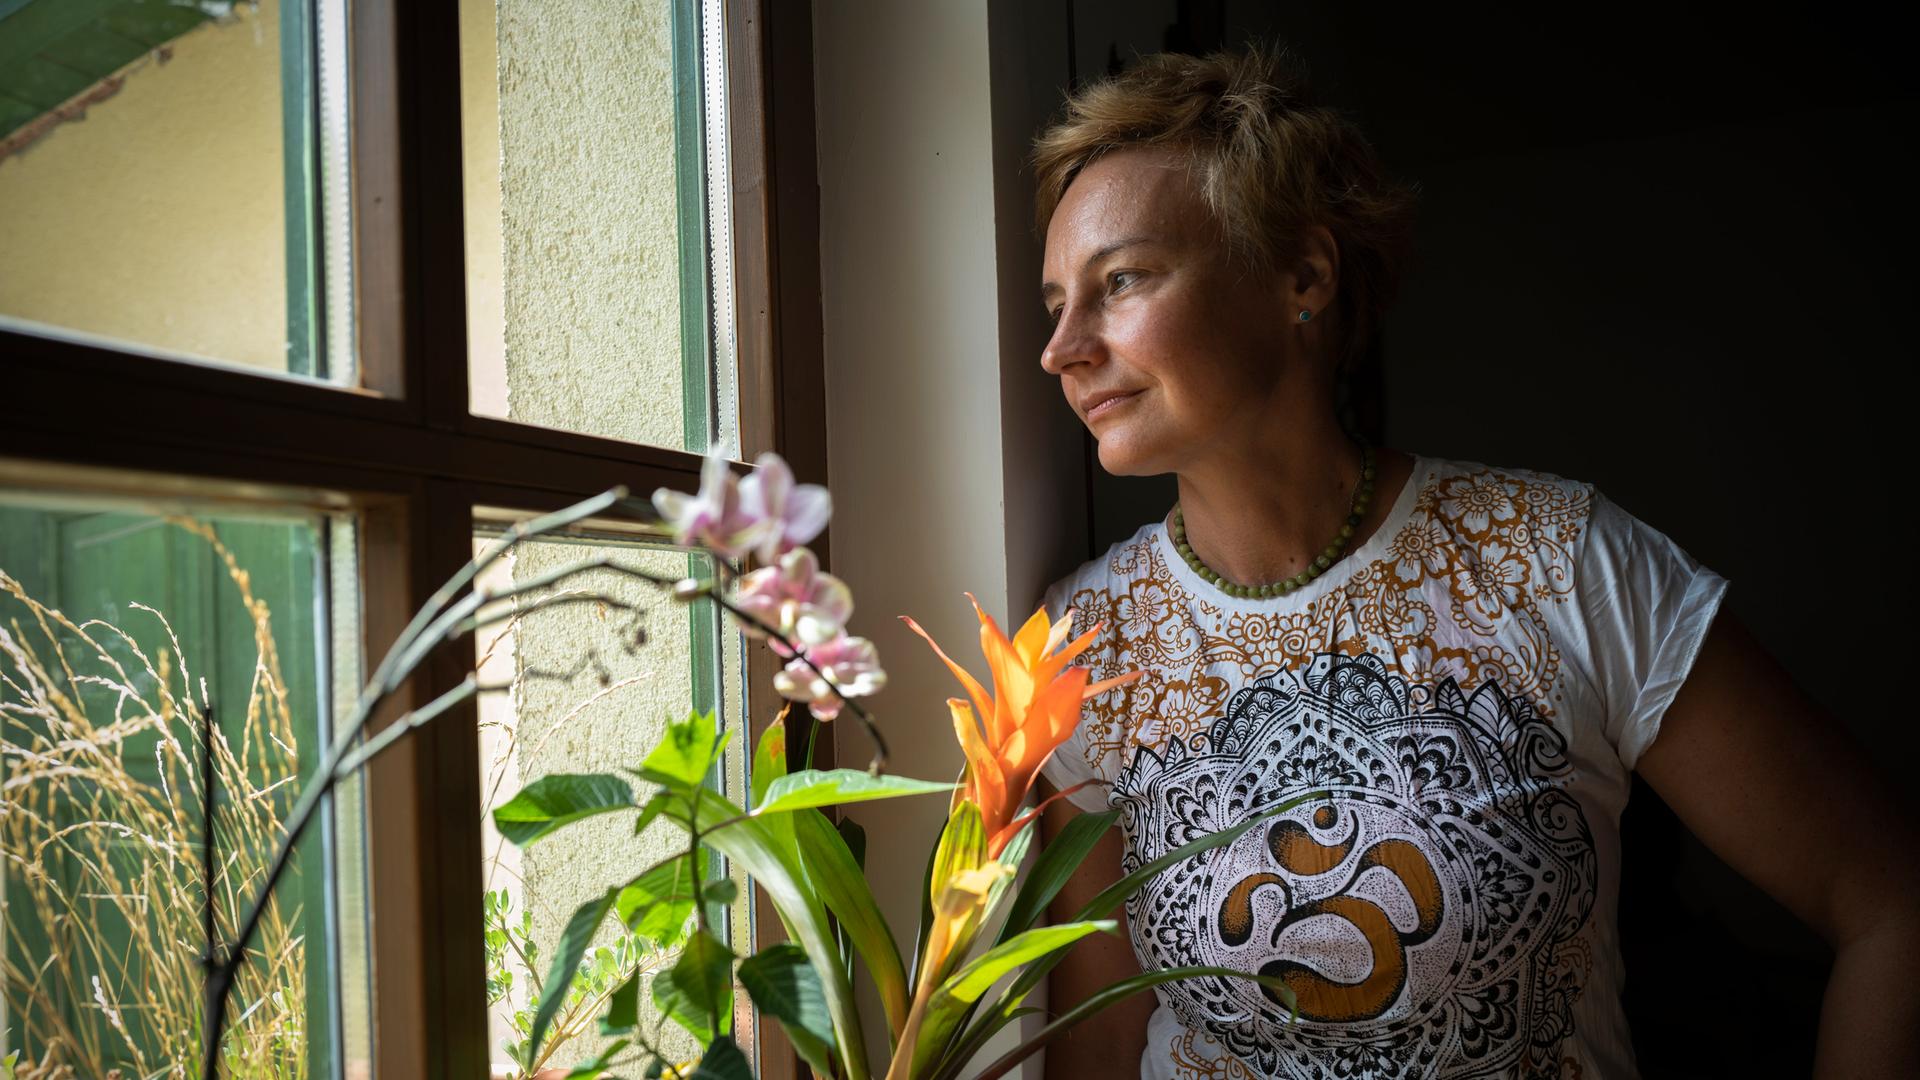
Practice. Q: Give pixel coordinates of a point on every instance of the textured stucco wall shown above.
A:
(159, 218)
(480, 179)
(573, 286)
(591, 250)
(568, 722)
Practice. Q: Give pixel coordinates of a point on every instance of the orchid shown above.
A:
(797, 599)
(1034, 706)
(765, 515)
(793, 513)
(848, 666)
(717, 518)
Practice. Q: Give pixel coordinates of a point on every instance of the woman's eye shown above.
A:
(1053, 315)
(1120, 279)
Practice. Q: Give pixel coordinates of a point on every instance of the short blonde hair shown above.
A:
(1269, 162)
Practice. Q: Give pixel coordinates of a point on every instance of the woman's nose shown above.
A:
(1074, 342)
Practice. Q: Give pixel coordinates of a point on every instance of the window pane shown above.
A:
(161, 172)
(592, 685)
(589, 131)
(125, 638)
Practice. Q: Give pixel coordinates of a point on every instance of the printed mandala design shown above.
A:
(1425, 912)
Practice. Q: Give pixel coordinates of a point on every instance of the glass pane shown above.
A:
(591, 686)
(126, 640)
(161, 172)
(589, 130)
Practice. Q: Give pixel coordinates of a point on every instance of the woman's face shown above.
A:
(1165, 350)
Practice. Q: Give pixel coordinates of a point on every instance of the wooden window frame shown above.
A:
(414, 462)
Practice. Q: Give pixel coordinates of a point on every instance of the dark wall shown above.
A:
(1669, 252)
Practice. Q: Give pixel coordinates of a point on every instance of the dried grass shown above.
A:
(104, 858)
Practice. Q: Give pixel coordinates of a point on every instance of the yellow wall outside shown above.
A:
(159, 219)
(591, 250)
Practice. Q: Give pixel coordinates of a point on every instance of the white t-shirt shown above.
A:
(1472, 687)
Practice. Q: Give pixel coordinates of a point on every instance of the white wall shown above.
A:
(955, 465)
(912, 368)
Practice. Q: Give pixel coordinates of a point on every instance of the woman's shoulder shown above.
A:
(1453, 474)
(1125, 560)
(1575, 538)
(1472, 499)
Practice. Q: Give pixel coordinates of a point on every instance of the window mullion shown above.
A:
(432, 230)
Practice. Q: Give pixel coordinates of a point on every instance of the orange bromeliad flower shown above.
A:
(1033, 708)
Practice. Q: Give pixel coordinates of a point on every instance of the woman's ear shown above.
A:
(1314, 273)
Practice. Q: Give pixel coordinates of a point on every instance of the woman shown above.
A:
(1461, 665)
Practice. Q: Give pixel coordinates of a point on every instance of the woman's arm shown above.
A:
(1109, 1043)
(1779, 791)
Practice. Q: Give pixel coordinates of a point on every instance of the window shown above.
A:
(133, 642)
(591, 690)
(174, 177)
(597, 300)
(385, 456)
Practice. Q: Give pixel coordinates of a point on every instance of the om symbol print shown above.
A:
(1295, 850)
(1443, 878)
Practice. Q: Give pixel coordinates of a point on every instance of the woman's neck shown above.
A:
(1264, 514)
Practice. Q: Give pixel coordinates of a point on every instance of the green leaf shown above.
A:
(771, 863)
(971, 981)
(573, 945)
(841, 885)
(597, 1068)
(1117, 992)
(623, 1008)
(650, 810)
(685, 753)
(769, 759)
(960, 1052)
(720, 891)
(963, 847)
(814, 788)
(697, 992)
(784, 986)
(723, 1061)
(856, 838)
(1115, 894)
(949, 1005)
(1011, 857)
(657, 904)
(553, 801)
(1051, 871)
(926, 908)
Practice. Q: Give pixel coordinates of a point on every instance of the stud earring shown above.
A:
(1305, 315)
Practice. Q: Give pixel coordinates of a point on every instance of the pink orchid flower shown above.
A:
(797, 599)
(718, 518)
(852, 669)
(795, 513)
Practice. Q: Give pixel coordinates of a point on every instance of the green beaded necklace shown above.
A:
(1356, 511)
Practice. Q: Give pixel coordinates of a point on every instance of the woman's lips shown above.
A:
(1109, 405)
